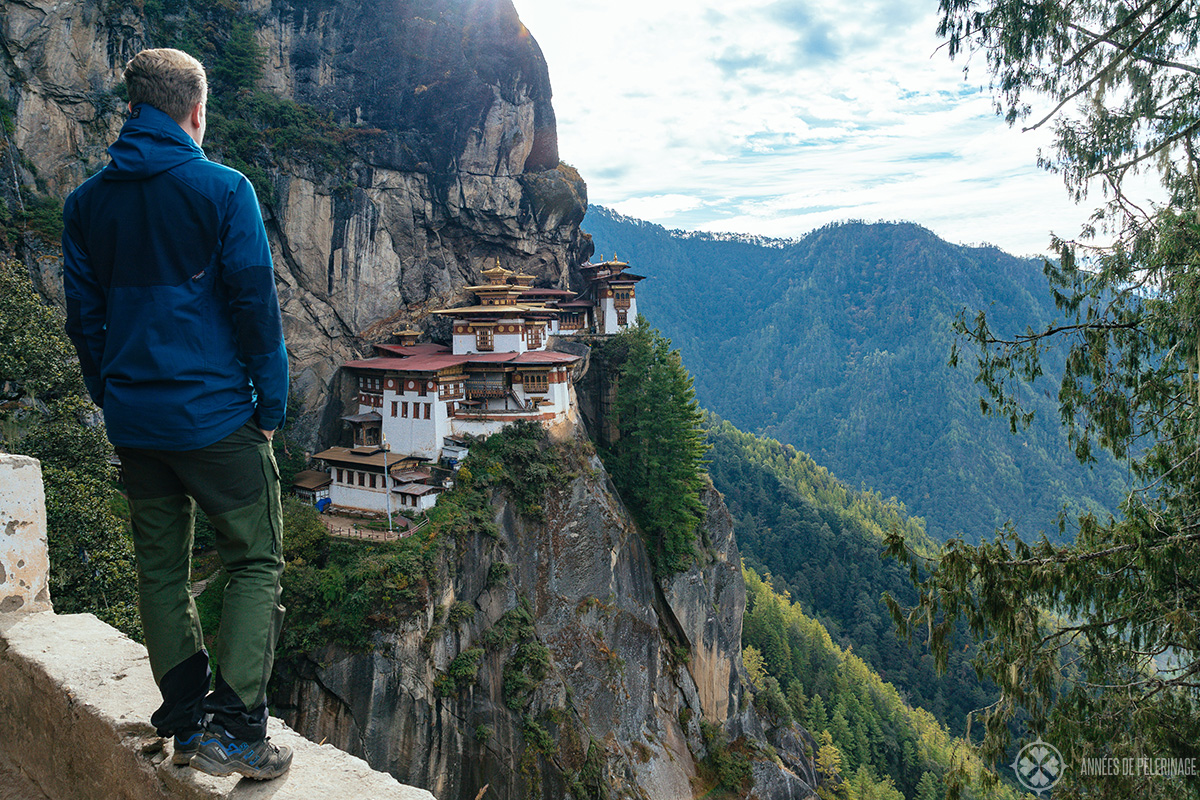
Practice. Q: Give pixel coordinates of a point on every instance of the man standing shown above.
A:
(171, 306)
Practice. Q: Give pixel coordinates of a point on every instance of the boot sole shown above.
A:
(210, 767)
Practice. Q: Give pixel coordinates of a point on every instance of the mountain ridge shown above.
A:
(838, 345)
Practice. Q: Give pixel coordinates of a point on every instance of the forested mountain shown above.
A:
(822, 543)
(838, 344)
(885, 748)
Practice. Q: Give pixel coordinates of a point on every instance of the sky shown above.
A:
(775, 117)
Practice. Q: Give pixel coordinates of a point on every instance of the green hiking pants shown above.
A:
(236, 482)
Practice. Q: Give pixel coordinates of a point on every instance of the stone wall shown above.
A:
(76, 695)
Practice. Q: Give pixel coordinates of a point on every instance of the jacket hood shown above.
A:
(150, 142)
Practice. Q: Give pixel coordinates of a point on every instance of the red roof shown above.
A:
(534, 290)
(425, 348)
(544, 357)
(429, 363)
(433, 363)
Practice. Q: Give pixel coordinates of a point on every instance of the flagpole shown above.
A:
(387, 484)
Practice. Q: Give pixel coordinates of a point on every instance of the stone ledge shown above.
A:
(76, 696)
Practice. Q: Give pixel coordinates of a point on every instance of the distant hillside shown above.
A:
(888, 749)
(821, 542)
(838, 344)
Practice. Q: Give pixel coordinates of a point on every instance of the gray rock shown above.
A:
(464, 169)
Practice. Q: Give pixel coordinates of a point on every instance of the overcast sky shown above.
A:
(777, 116)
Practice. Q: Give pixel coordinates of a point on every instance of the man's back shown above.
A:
(165, 252)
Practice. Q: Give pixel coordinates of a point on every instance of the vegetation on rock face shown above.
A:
(339, 592)
(249, 129)
(519, 460)
(91, 554)
(657, 460)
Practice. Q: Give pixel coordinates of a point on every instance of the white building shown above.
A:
(358, 480)
(416, 402)
(612, 296)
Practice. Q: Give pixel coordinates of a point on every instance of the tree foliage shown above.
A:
(820, 541)
(91, 554)
(1095, 644)
(657, 461)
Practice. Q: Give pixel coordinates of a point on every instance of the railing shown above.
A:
(344, 529)
(475, 390)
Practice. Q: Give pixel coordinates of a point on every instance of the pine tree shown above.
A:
(753, 661)
(843, 737)
(927, 788)
(818, 718)
(242, 59)
(829, 764)
(657, 463)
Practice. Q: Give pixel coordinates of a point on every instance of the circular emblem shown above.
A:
(1038, 766)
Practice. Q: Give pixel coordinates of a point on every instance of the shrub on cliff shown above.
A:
(91, 555)
(657, 460)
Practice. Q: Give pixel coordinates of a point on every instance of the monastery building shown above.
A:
(418, 401)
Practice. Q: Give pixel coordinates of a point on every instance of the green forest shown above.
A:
(884, 747)
(822, 543)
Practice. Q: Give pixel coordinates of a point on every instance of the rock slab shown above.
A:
(77, 694)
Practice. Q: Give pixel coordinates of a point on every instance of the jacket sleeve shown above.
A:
(87, 305)
(249, 281)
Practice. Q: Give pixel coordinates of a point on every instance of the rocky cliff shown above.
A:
(638, 675)
(440, 111)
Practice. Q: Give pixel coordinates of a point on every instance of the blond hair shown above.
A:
(170, 80)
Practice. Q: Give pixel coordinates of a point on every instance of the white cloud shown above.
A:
(777, 116)
(657, 206)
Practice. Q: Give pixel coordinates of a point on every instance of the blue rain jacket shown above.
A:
(170, 292)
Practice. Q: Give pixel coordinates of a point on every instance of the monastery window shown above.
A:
(450, 409)
(394, 405)
(404, 409)
(341, 477)
(622, 317)
(428, 410)
(372, 480)
(536, 382)
(483, 338)
(362, 479)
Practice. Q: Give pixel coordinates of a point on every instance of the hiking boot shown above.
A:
(187, 744)
(221, 754)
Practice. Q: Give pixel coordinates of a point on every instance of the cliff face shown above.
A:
(635, 668)
(460, 167)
